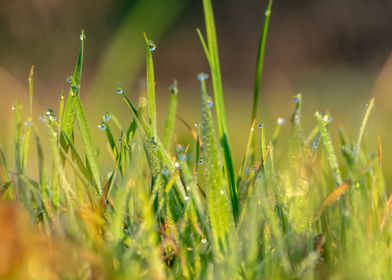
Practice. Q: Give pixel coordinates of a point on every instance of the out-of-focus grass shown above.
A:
(299, 202)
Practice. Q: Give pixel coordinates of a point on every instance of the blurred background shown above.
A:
(336, 53)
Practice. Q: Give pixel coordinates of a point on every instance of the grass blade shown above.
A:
(333, 162)
(171, 116)
(68, 121)
(260, 61)
(213, 59)
(152, 114)
(219, 214)
(369, 109)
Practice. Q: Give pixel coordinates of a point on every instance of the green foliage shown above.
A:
(163, 212)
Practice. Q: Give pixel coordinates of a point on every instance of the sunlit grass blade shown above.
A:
(260, 61)
(219, 211)
(152, 114)
(28, 123)
(336, 194)
(68, 121)
(369, 108)
(333, 161)
(213, 59)
(171, 116)
(87, 143)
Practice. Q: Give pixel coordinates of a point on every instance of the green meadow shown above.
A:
(150, 194)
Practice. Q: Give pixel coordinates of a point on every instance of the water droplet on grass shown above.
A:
(260, 125)
(186, 198)
(267, 12)
(202, 76)
(201, 161)
(281, 121)
(173, 87)
(222, 192)
(182, 157)
(165, 172)
(210, 102)
(102, 126)
(51, 115)
(179, 149)
(106, 117)
(203, 240)
(296, 99)
(177, 165)
(119, 90)
(28, 123)
(83, 37)
(327, 119)
(151, 45)
(69, 79)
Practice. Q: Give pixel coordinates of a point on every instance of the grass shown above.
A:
(181, 210)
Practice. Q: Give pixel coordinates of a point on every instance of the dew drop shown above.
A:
(204, 240)
(267, 12)
(151, 46)
(51, 115)
(173, 88)
(201, 161)
(260, 125)
(281, 121)
(28, 123)
(177, 165)
(182, 157)
(13, 108)
(188, 188)
(222, 192)
(179, 149)
(296, 99)
(327, 119)
(106, 117)
(165, 172)
(210, 102)
(197, 125)
(102, 126)
(69, 79)
(119, 90)
(83, 37)
(202, 76)
(186, 198)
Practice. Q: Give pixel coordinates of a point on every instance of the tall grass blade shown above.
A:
(260, 61)
(369, 109)
(171, 117)
(213, 59)
(152, 114)
(333, 161)
(218, 206)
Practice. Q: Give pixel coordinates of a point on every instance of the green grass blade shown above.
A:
(333, 162)
(152, 114)
(218, 206)
(28, 123)
(369, 109)
(171, 116)
(89, 149)
(220, 109)
(68, 122)
(260, 61)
